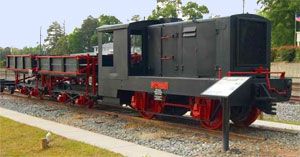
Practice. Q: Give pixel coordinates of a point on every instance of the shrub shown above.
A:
(298, 53)
(2, 64)
(274, 54)
(288, 54)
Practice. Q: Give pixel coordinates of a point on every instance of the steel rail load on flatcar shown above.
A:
(161, 66)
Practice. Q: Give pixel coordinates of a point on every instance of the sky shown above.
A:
(20, 20)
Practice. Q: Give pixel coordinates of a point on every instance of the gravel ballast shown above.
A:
(289, 112)
(174, 141)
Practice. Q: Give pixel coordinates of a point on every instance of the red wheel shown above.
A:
(62, 97)
(90, 104)
(204, 109)
(24, 90)
(147, 115)
(217, 122)
(35, 92)
(254, 113)
(144, 102)
(81, 100)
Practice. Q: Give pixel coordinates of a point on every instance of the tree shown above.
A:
(174, 9)
(214, 16)
(108, 20)
(94, 39)
(75, 41)
(88, 28)
(104, 20)
(55, 31)
(166, 9)
(4, 52)
(62, 46)
(83, 39)
(28, 50)
(135, 18)
(192, 10)
(282, 16)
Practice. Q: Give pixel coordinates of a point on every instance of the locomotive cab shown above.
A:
(123, 50)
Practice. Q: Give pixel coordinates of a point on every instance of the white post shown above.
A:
(243, 6)
(295, 35)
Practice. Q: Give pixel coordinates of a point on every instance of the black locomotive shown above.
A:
(162, 66)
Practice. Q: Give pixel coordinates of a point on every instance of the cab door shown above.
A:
(171, 46)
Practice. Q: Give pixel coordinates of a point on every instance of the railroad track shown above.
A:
(191, 126)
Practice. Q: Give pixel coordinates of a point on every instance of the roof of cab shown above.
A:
(135, 24)
(112, 27)
(171, 21)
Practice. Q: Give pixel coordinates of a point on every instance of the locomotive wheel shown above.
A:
(173, 110)
(145, 102)
(24, 90)
(149, 106)
(90, 104)
(252, 116)
(240, 113)
(217, 122)
(147, 115)
(62, 97)
(208, 111)
(1, 88)
(11, 89)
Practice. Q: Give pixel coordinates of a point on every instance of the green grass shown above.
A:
(18, 139)
(280, 121)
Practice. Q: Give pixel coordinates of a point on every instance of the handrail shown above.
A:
(262, 71)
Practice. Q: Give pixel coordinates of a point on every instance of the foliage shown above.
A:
(2, 64)
(107, 38)
(193, 11)
(26, 141)
(214, 16)
(285, 53)
(104, 20)
(75, 41)
(274, 54)
(4, 52)
(88, 28)
(172, 8)
(62, 46)
(108, 20)
(166, 9)
(298, 53)
(281, 13)
(94, 39)
(83, 39)
(135, 18)
(28, 50)
(55, 31)
(288, 54)
(16, 51)
(8, 51)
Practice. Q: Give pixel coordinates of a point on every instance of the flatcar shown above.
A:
(161, 67)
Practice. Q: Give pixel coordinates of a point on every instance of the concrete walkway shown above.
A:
(115, 145)
(279, 126)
